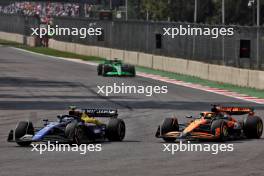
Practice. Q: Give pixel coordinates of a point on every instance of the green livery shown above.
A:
(116, 68)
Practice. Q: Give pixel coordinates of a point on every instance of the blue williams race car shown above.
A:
(79, 126)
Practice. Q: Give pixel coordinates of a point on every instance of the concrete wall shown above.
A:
(115, 53)
(219, 73)
(142, 38)
(30, 41)
(223, 74)
(145, 60)
(12, 37)
(18, 38)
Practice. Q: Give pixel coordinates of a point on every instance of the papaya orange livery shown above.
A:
(217, 124)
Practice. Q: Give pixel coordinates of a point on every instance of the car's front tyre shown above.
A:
(100, 69)
(23, 128)
(168, 125)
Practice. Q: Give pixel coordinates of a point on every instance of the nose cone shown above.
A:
(37, 137)
(41, 133)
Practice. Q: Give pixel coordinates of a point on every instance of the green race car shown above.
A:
(116, 68)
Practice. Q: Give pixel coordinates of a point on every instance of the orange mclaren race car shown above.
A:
(218, 124)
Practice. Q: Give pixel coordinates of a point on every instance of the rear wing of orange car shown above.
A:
(233, 110)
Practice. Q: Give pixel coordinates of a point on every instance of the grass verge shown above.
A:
(51, 52)
(191, 79)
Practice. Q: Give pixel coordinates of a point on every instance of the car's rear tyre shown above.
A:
(168, 125)
(253, 127)
(220, 129)
(70, 131)
(100, 69)
(116, 129)
(132, 70)
(79, 135)
(23, 128)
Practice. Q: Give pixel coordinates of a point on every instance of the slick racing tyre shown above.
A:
(253, 127)
(116, 130)
(132, 70)
(70, 131)
(220, 129)
(23, 128)
(168, 125)
(100, 69)
(79, 134)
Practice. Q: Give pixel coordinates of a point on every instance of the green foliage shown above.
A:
(209, 11)
(134, 9)
(157, 10)
(179, 10)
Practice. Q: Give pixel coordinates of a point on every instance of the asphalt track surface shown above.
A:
(36, 87)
